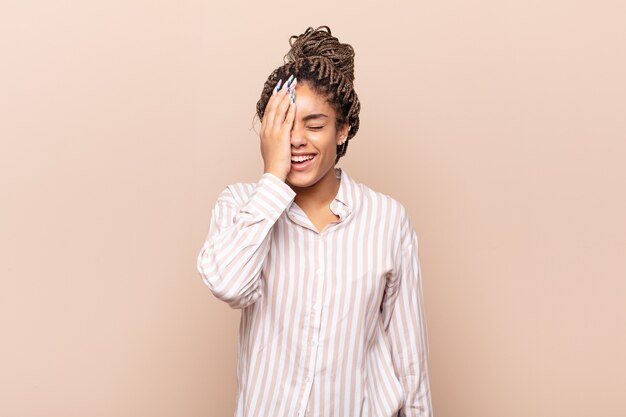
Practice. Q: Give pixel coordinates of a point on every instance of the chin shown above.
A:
(301, 179)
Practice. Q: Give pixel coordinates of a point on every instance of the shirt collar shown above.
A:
(342, 193)
(344, 202)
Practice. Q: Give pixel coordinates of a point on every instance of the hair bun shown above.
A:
(316, 43)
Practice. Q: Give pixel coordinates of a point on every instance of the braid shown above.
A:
(328, 65)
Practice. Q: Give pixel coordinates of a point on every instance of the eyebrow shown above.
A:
(313, 116)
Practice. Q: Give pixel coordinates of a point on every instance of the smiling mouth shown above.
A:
(302, 158)
(302, 161)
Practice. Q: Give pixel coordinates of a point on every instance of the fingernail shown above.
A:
(278, 85)
(289, 80)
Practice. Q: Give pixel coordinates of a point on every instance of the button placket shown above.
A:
(316, 313)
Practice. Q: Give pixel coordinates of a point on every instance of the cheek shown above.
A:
(330, 150)
(324, 143)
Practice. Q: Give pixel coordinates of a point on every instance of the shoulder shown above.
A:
(386, 204)
(384, 207)
(391, 214)
(268, 188)
(236, 193)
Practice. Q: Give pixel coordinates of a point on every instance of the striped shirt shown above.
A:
(332, 322)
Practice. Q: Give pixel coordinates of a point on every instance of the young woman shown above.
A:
(324, 269)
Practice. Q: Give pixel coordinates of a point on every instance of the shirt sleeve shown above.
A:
(404, 321)
(232, 256)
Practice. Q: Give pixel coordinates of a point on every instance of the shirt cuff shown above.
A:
(270, 197)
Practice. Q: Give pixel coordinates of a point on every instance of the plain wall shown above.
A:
(500, 125)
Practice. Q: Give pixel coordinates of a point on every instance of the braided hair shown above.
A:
(318, 58)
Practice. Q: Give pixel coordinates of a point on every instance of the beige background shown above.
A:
(500, 125)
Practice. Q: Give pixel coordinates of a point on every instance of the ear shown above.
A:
(342, 134)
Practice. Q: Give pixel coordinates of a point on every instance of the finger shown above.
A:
(283, 106)
(268, 114)
(277, 86)
(291, 115)
(281, 112)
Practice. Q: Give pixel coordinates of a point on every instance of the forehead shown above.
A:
(308, 101)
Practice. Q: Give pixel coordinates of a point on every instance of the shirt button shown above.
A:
(316, 307)
(320, 271)
(314, 343)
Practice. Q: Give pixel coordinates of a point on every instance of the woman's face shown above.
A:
(313, 133)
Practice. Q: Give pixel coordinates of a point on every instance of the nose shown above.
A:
(297, 136)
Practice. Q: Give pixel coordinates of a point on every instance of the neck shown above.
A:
(319, 194)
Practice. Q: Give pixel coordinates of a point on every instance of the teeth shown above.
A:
(302, 158)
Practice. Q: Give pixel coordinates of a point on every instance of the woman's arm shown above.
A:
(232, 257)
(233, 254)
(405, 323)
